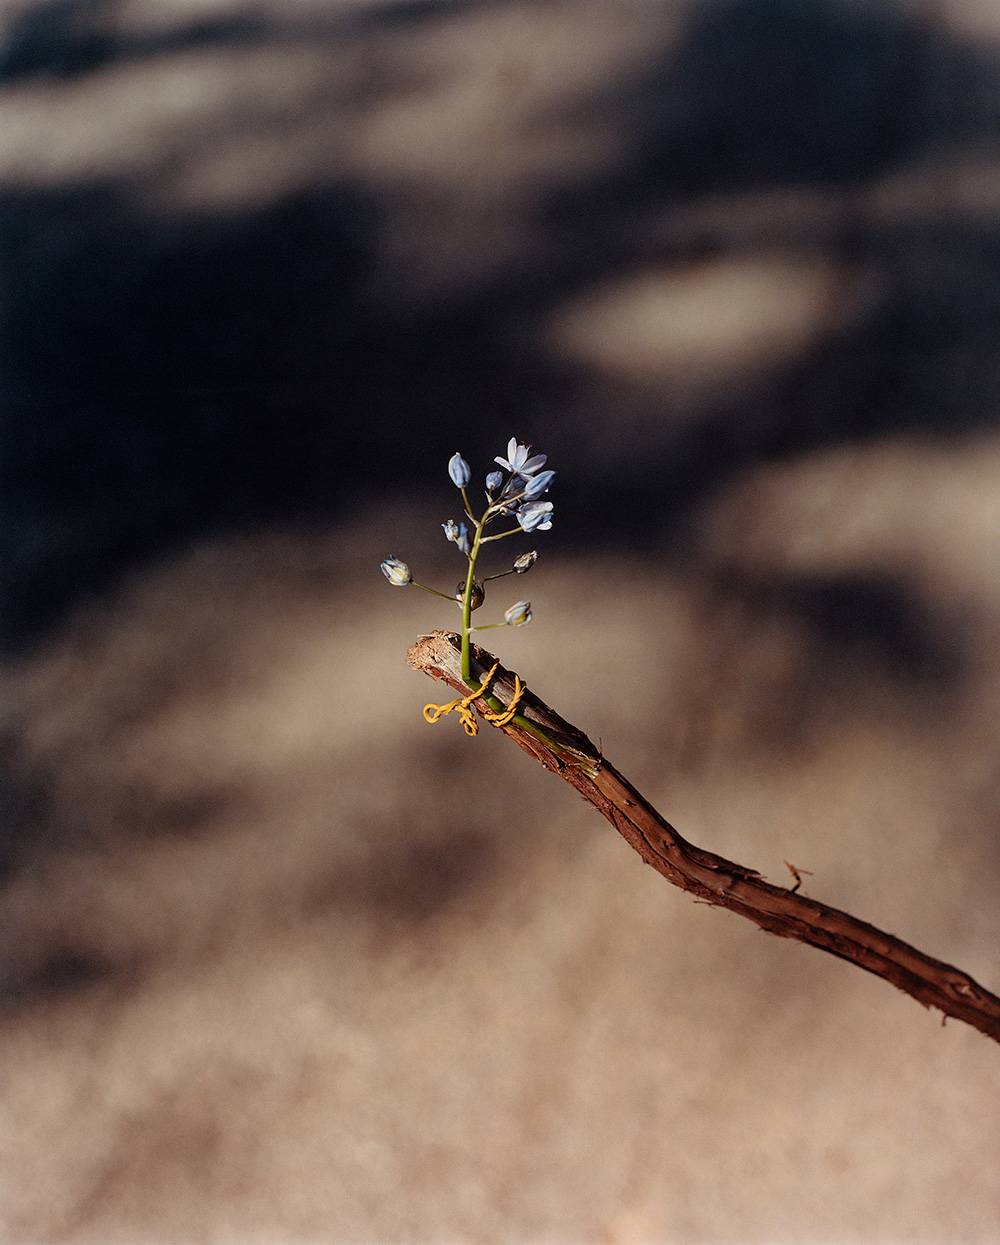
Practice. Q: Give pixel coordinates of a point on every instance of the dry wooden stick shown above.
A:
(566, 751)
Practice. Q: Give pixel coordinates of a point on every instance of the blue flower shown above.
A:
(535, 515)
(396, 572)
(459, 471)
(518, 614)
(517, 461)
(494, 480)
(538, 485)
(457, 532)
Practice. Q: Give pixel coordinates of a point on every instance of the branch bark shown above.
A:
(569, 753)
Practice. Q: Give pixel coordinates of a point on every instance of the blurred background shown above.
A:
(279, 962)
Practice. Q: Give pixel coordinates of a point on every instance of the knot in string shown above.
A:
(463, 706)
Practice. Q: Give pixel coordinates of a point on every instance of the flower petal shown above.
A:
(518, 614)
(539, 484)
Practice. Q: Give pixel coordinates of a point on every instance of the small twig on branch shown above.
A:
(567, 751)
(797, 874)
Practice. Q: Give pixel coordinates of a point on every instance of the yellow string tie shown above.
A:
(502, 718)
(463, 706)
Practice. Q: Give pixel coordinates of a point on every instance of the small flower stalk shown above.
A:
(514, 503)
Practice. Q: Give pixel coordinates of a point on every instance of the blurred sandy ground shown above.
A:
(280, 962)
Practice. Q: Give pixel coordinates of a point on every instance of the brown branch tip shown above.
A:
(565, 750)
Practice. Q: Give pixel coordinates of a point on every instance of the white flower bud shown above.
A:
(518, 614)
(396, 572)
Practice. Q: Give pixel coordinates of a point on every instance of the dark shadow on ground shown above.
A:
(59, 39)
(167, 380)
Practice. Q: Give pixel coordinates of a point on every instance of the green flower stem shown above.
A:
(514, 531)
(488, 578)
(488, 626)
(478, 541)
(520, 720)
(468, 508)
(470, 578)
(433, 591)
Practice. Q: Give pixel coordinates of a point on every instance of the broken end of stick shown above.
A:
(557, 744)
